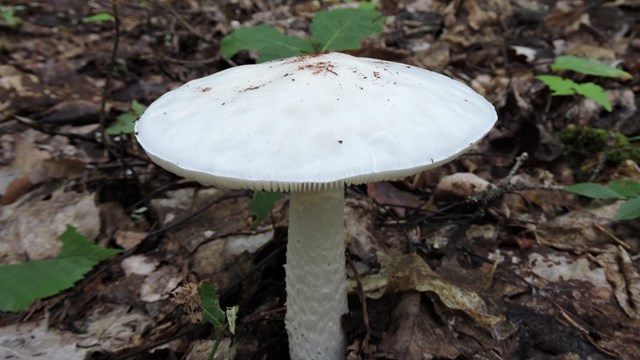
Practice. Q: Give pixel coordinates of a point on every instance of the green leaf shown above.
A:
(344, 29)
(137, 108)
(629, 209)
(625, 187)
(368, 5)
(125, 122)
(232, 315)
(561, 87)
(99, 17)
(588, 67)
(9, 17)
(558, 85)
(123, 125)
(594, 191)
(595, 93)
(211, 310)
(25, 282)
(270, 43)
(262, 203)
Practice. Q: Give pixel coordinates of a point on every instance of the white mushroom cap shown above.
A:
(313, 122)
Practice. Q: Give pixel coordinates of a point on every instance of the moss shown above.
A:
(584, 145)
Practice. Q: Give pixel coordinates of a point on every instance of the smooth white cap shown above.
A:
(312, 122)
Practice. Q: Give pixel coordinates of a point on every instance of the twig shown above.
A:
(184, 23)
(107, 84)
(363, 303)
(51, 130)
(151, 234)
(495, 193)
(193, 62)
(612, 236)
(516, 167)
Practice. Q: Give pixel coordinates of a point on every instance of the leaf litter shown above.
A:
(526, 274)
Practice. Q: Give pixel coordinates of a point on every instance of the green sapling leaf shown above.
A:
(125, 122)
(627, 188)
(344, 29)
(211, 310)
(23, 283)
(99, 17)
(270, 43)
(629, 209)
(561, 87)
(8, 15)
(588, 67)
(595, 93)
(262, 203)
(594, 191)
(558, 85)
(232, 315)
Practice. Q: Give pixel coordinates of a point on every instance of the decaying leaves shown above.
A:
(410, 272)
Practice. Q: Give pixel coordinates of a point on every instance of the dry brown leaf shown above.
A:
(623, 275)
(565, 15)
(387, 194)
(477, 16)
(411, 272)
(459, 186)
(574, 231)
(114, 328)
(187, 296)
(129, 239)
(35, 340)
(411, 332)
(35, 225)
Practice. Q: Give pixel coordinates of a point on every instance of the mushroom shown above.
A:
(311, 125)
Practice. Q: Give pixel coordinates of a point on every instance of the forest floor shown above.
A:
(449, 268)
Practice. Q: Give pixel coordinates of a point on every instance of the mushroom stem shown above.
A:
(315, 275)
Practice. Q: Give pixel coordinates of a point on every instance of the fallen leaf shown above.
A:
(34, 340)
(459, 186)
(387, 194)
(625, 279)
(411, 272)
(411, 332)
(36, 224)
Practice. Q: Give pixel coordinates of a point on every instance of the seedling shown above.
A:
(332, 30)
(98, 18)
(200, 302)
(124, 122)
(211, 312)
(624, 189)
(138, 214)
(9, 17)
(561, 86)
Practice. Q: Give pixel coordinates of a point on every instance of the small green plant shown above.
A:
(124, 122)
(623, 189)
(9, 17)
(561, 86)
(23, 283)
(211, 312)
(332, 30)
(98, 18)
(261, 205)
(138, 214)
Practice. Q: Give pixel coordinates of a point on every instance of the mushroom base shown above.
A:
(315, 275)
